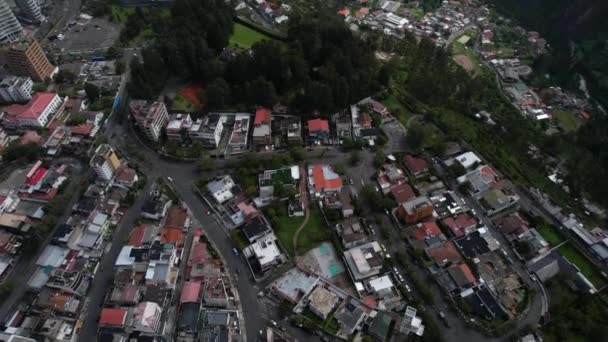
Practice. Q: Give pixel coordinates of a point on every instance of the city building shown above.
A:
(221, 189)
(262, 135)
(263, 254)
(364, 261)
(480, 180)
(41, 110)
(343, 125)
(415, 210)
(322, 301)
(147, 318)
(318, 132)
(105, 162)
(178, 126)
(16, 89)
(240, 131)
(411, 324)
(209, 131)
(416, 166)
(215, 292)
(30, 9)
(26, 58)
(10, 29)
(150, 117)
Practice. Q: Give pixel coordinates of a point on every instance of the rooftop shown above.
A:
(113, 317)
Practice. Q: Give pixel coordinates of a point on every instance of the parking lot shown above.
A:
(96, 35)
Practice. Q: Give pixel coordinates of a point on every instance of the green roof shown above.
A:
(381, 325)
(520, 86)
(280, 176)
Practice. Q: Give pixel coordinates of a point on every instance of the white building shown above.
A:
(16, 89)
(221, 189)
(147, 318)
(240, 133)
(30, 10)
(105, 162)
(150, 117)
(209, 130)
(37, 113)
(411, 324)
(265, 251)
(10, 29)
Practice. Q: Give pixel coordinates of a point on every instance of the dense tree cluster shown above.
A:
(322, 66)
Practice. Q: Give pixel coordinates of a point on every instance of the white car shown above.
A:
(170, 179)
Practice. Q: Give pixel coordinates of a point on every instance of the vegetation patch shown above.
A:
(567, 120)
(550, 233)
(587, 267)
(245, 37)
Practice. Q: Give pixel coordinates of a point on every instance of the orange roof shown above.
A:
(262, 116)
(176, 217)
(59, 301)
(172, 235)
(318, 125)
(345, 12)
(137, 235)
(82, 129)
(190, 292)
(445, 253)
(466, 271)
(427, 229)
(321, 182)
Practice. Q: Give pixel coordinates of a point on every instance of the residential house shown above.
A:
(322, 302)
(221, 189)
(426, 234)
(411, 323)
(114, 318)
(496, 200)
(384, 290)
(364, 261)
(351, 232)
(343, 125)
(240, 132)
(479, 180)
(318, 132)
(460, 224)
(255, 228)
(444, 254)
(147, 318)
(415, 210)
(462, 275)
(513, 226)
(262, 134)
(105, 162)
(263, 254)
(402, 193)
(447, 203)
(389, 175)
(322, 179)
(286, 178)
(209, 130)
(415, 165)
(178, 126)
(215, 292)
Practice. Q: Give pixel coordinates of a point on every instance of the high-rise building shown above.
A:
(16, 89)
(10, 29)
(150, 117)
(105, 162)
(26, 58)
(30, 10)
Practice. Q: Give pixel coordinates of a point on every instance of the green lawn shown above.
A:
(587, 268)
(180, 103)
(397, 109)
(314, 233)
(245, 37)
(567, 120)
(550, 234)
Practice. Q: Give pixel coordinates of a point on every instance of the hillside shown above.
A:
(576, 29)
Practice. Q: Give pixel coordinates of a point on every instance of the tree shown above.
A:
(16, 151)
(217, 94)
(119, 65)
(379, 159)
(415, 137)
(355, 157)
(92, 91)
(65, 76)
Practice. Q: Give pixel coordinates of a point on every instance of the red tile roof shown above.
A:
(344, 12)
(82, 129)
(176, 217)
(458, 223)
(321, 183)
(115, 317)
(318, 125)
(585, 115)
(32, 110)
(262, 116)
(427, 230)
(444, 253)
(466, 272)
(171, 235)
(402, 193)
(190, 292)
(415, 165)
(137, 235)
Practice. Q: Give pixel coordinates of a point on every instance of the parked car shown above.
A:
(235, 251)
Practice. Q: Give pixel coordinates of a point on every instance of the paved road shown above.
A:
(25, 267)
